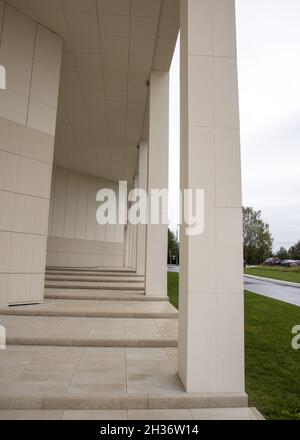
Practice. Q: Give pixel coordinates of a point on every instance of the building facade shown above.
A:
(86, 105)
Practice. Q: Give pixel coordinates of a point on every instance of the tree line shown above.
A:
(258, 240)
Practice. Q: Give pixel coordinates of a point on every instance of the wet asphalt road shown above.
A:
(282, 292)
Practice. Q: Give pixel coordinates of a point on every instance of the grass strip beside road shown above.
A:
(290, 274)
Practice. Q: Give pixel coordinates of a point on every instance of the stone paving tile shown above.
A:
(139, 356)
(106, 357)
(31, 415)
(109, 328)
(100, 371)
(34, 387)
(95, 415)
(141, 329)
(50, 371)
(150, 371)
(58, 355)
(159, 414)
(15, 356)
(172, 354)
(168, 328)
(7, 377)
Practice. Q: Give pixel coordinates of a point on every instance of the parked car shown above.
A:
(274, 261)
(289, 263)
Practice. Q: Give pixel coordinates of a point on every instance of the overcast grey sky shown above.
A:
(268, 36)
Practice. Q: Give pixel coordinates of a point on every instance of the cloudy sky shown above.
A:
(268, 36)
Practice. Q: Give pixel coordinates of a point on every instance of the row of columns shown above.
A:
(211, 321)
(147, 245)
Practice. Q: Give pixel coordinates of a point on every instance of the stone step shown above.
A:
(118, 275)
(99, 378)
(74, 378)
(102, 295)
(92, 279)
(91, 269)
(139, 414)
(95, 309)
(61, 341)
(90, 332)
(94, 285)
(117, 401)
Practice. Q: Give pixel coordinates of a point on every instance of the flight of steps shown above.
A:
(102, 299)
(101, 280)
(97, 342)
(92, 284)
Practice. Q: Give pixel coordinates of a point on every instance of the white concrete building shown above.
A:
(87, 83)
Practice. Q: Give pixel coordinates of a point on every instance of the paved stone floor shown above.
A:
(86, 351)
(51, 370)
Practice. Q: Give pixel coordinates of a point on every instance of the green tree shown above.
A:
(258, 240)
(294, 251)
(173, 246)
(282, 253)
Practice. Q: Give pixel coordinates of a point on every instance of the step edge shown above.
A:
(123, 401)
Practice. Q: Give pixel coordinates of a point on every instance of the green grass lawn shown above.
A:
(291, 274)
(272, 366)
(173, 287)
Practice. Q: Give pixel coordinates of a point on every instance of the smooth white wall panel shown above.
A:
(22, 175)
(82, 204)
(60, 183)
(23, 213)
(84, 253)
(24, 200)
(70, 206)
(91, 231)
(72, 218)
(46, 68)
(17, 50)
(31, 55)
(1, 15)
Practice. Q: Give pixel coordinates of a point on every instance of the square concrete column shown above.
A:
(141, 231)
(131, 233)
(157, 234)
(134, 233)
(211, 332)
(129, 246)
